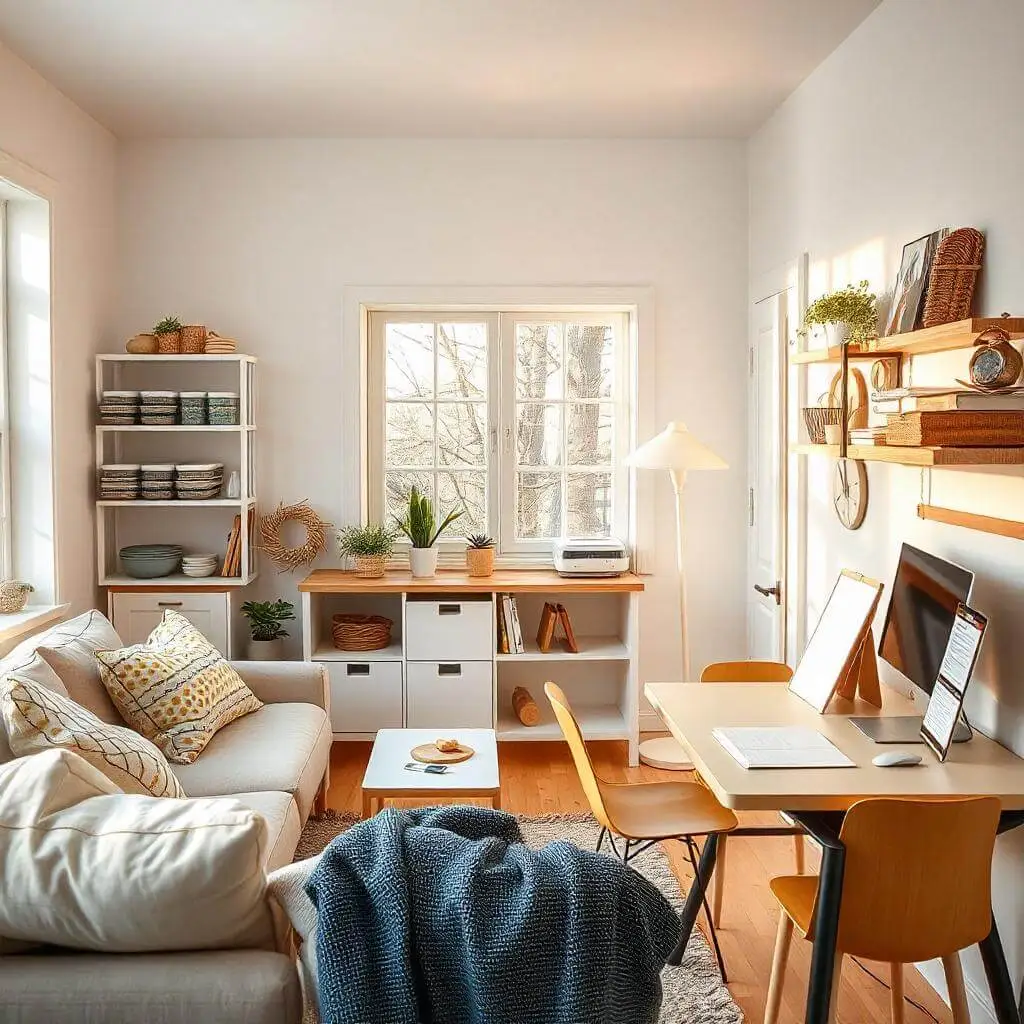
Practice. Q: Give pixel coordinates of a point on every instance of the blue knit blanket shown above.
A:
(444, 916)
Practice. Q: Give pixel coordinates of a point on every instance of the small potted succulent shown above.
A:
(420, 527)
(847, 315)
(480, 554)
(265, 629)
(369, 546)
(168, 335)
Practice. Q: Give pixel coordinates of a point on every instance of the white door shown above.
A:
(766, 610)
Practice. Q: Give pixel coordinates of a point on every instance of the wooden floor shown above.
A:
(539, 778)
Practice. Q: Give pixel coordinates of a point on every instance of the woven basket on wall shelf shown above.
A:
(818, 417)
(952, 277)
(370, 566)
(193, 339)
(360, 632)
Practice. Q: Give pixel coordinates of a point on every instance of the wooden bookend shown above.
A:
(862, 678)
(546, 630)
(525, 706)
(570, 636)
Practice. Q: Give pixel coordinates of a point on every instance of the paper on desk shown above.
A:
(789, 746)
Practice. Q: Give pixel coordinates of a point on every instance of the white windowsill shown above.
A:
(16, 625)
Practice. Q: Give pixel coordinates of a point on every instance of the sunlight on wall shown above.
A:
(34, 264)
(865, 262)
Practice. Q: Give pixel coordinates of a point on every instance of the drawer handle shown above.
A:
(449, 609)
(169, 604)
(449, 670)
(357, 670)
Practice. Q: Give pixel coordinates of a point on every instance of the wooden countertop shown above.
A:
(522, 581)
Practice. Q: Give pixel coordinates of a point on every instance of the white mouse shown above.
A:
(896, 759)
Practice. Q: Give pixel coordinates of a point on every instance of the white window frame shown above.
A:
(6, 541)
(501, 418)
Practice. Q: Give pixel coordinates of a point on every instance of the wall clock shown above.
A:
(850, 492)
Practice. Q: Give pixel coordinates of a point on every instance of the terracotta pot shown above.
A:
(480, 561)
(169, 343)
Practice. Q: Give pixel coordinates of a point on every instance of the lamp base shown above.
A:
(665, 752)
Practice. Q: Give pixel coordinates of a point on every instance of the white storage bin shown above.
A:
(449, 695)
(450, 630)
(135, 616)
(365, 695)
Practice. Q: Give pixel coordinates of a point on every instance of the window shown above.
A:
(6, 561)
(520, 419)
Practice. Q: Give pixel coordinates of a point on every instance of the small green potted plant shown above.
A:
(420, 527)
(369, 546)
(265, 629)
(480, 555)
(847, 315)
(168, 335)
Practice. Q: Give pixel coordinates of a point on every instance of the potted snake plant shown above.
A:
(420, 526)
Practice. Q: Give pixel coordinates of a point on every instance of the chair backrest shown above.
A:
(917, 879)
(574, 737)
(746, 672)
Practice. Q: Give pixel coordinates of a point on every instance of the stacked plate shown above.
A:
(199, 481)
(198, 566)
(158, 481)
(150, 561)
(216, 345)
(119, 482)
(159, 408)
(119, 408)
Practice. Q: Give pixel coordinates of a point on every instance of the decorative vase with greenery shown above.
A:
(850, 314)
(480, 554)
(420, 527)
(370, 546)
(267, 633)
(168, 335)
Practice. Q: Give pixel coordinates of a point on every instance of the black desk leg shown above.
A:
(695, 898)
(826, 928)
(998, 975)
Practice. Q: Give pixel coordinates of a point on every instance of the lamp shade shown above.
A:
(675, 448)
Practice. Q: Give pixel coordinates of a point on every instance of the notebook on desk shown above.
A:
(781, 747)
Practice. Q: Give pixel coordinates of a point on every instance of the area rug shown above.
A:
(693, 991)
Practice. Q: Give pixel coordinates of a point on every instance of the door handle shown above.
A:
(775, 591)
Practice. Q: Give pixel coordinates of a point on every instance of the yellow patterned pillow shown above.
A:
(176, 689)
(39, 719)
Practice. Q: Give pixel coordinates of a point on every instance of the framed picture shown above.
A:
(908, 295)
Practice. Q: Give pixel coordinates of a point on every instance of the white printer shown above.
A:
(586, 556)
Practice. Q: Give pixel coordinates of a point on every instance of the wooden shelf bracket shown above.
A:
(971, 521)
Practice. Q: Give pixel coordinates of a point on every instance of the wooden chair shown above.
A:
(745, 672)
(644, 813)
(916, 886)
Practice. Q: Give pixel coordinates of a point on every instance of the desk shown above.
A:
(816, 798)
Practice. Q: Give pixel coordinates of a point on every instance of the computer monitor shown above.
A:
(922, 607)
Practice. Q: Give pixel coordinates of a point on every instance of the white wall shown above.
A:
(67, 155)
(258, 239)
(912, 124)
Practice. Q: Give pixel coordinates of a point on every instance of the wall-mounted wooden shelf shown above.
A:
(972, 521)
(515, 581)
(900, 456)
(960, 334)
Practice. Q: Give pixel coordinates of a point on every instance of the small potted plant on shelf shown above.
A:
(168, 335)
(419, 526)
(267, 633)
(369, 546)
(847, 315)
(480, 554)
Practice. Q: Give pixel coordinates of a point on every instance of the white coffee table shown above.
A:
(386, 775)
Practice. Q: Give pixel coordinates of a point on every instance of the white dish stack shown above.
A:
(198, 566)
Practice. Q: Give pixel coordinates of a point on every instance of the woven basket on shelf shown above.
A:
(956, 428)
(193, 339)
(14, 595)
(953, 276)
(818, 417)
(168, 343)
(360, 632)
(370, 566)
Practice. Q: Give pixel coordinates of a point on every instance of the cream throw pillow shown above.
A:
(38, 719)
(176, 689)
(88, 867)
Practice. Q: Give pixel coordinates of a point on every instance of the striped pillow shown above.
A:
(176, 689)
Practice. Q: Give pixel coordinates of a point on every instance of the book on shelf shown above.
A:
(517, 629)
(513, 634)
(570, 636)
(503, 645)
(546, 629)
(867, 436)
(950, 400)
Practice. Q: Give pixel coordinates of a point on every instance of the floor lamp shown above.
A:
(678, 451)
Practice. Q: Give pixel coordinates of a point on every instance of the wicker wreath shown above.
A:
(286, 558)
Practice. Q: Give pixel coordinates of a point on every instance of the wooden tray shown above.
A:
(962, 429)
(427, 753)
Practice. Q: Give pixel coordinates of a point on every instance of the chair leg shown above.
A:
(600, 838)
(707, 911)
(783, 940)
(799, 854)
(957, 993)
(833, 1002)
(718, 883)
(896, 1002)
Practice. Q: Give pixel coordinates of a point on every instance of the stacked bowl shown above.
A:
(159, 408)
(158, 482)
(119, 482)
(198, 566)
(150, 561)
(119, 408)
(199, 481)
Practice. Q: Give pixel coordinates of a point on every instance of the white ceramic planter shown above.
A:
(836, 334)
(423, 562)
(265, 650)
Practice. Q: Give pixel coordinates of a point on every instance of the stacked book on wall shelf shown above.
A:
(945, 399)
(510, 632)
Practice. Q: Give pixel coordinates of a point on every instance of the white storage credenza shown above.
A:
(442, 669)
(135, 612)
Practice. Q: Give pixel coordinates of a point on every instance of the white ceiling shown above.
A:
(556, 68)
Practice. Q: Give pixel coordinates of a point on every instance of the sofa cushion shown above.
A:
(176, 689)
(37, 719)
(228, 987)
(278, 810)
(37, 671)
(88, 867)
(283, 747)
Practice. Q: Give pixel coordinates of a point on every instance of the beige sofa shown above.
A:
(275, 761)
